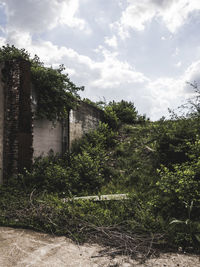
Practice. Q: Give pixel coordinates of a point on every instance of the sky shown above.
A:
(143, 51)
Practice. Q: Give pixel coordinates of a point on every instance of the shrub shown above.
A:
(50, 174)
(182, 183)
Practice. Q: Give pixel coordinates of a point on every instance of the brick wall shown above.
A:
(18, 118)
(1, 122)
(25, 152)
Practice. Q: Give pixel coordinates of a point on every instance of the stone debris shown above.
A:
(99, 198)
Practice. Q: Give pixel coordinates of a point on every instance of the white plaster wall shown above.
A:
(81, 122)
(75, 129)
(1, 124)
(46, 137)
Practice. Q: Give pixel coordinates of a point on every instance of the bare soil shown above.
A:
(25, 248)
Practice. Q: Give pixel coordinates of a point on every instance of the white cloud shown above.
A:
(2, 41)
(178, 64)
(115, 72)
(19, 38)
(166, 93)
(52, 54)
(172, 93)
(176, 52)
(121, 29)
(169, 92)
(137, 14)
(108, 73)
(39, 16)
(111, 41)
(173, 13)
(68, 14)
(192, 74)
(177, 13)
(109, 77)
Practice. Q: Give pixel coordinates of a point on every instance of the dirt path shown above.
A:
(25, 248)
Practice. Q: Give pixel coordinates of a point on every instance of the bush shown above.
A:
(83, 171)
(118, 113)
(182, 183)
(50, 174)
(171, 139)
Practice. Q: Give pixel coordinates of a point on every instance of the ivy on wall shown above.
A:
(56, 93)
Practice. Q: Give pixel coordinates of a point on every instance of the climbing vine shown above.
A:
(56, 94)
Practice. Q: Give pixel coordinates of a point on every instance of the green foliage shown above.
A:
(12, 53)
(111, 117)
(187, 231)
(134, 162)
(171, 139)
(56, 93)
(50, 174)
(89, 163)
(87, 175)
(125, 111)
(183, 182)
(83, 171)
(118, 113)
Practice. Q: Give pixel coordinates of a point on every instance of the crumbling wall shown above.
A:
(58, 137)
(21, 136)
(82, 120)
(1, 123)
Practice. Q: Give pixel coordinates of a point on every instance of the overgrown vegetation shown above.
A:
(56, 94)
(156, 163)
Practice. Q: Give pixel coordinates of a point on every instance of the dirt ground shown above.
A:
(25, 248)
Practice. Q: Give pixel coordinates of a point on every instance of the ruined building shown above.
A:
(21, 136)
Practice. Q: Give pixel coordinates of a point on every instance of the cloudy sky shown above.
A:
(142, 51)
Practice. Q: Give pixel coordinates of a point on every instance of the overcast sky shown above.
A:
(142, 51)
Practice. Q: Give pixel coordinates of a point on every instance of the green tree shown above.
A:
(125, 111)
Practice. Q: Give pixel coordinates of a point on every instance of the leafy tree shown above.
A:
(125, 111)
(117, 113)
